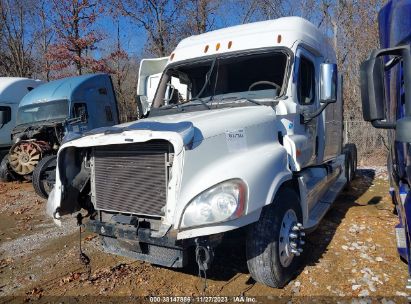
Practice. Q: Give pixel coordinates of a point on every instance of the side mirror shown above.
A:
(5, 115)
(328, 83)
(372, 89)
(372, 72)
(328, 90)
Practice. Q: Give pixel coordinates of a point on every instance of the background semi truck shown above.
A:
(12, 90)
(386, 100)
(244, 134)
(64, 107)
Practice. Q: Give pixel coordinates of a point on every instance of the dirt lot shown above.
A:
(352, 254)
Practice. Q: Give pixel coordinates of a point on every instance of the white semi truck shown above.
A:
(244, 132)
(12, 90)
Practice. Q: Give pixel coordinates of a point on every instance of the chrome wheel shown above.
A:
(290, 238)
(284, 248)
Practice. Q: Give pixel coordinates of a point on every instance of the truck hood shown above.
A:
(196, 126)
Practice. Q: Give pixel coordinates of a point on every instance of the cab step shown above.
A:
(323, 205)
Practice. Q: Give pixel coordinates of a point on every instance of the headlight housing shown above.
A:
(222, 202)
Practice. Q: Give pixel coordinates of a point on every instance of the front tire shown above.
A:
(269, 257)
(6, 174)
(44, 176)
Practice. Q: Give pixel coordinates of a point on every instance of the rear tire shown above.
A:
(265, 246)
(44, 176)
(353, 150)
(350, 151)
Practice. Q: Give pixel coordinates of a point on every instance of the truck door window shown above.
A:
(6, 115)
(79, 110)
(306, 82)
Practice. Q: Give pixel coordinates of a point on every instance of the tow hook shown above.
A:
(296, 236)
(204, 257)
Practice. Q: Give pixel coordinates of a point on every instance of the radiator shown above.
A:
(131, 178)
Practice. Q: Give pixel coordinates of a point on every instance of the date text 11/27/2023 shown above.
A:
(202, 299)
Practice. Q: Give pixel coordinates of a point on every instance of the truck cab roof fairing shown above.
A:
(254, 36)
(60, 89)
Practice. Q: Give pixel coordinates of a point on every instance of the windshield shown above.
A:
(226, 77)
(52, 110)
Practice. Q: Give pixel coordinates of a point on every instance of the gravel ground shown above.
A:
(350, 257)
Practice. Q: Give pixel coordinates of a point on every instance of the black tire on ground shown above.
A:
(6, 174)
(353, 149)
(348, 167)
(44, 176)
(263, 242)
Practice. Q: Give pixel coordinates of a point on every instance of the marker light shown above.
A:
(230, 43)
(206, 49)
(217, 47)
(279, 39)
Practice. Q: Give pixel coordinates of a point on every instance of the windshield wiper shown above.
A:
(201, 100)
(236, 98)
(253, 101)
(185, 104)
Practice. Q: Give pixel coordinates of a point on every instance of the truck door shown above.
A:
(148, 78)
(101, 109)
(8, 115)
(97, 107)
(305, 78)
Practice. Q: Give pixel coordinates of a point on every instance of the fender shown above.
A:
(263, 175)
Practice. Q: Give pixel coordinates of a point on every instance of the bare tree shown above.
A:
(16, 41)
(124, 79)
(157, 17)
(44, 38)
(199, 16)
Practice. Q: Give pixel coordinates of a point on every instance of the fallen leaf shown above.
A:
(90, 237)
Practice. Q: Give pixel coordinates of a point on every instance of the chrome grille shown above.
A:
(131, 178)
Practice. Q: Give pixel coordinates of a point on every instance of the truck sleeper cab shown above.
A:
(12, 90)
(244, 132)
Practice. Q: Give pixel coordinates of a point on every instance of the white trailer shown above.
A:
(244, 132)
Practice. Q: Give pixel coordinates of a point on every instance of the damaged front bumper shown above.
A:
(137, 243)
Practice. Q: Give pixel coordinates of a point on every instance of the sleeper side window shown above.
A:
(5, 115)
(306, 82)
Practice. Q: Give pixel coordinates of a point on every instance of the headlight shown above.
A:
(222, 202)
